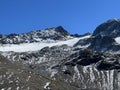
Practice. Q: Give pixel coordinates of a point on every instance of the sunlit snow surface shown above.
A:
(117, 40)
(46, 87)
(37, 45)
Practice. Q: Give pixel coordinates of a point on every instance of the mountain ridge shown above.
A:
(57, 33)
(75, 62)
(104, 36)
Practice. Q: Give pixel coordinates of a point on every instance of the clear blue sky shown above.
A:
(76, 16)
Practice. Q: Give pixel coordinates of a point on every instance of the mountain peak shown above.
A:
(110, 28)
(59, 27)
(61, 30)
(114, 20)
(55, 33)
(105, 34)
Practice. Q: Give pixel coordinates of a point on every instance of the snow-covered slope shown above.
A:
(38, 45)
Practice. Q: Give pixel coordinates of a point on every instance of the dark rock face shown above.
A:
(83, 42)
(103, 61)
(77, 35)
(85, 57)
(108, 66)
(103, 38)
(109, 28)
(103, 43)
(89, 70)
(61, 30)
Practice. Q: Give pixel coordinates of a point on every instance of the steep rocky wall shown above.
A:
(88, 77)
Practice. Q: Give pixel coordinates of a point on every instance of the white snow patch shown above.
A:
(110, 75)
(10, 81)
(9, 88)
(47, 86)
(92, 76)
(85, 46)
(85, 69)
(2, 89)
(28, 78)
(17, 88)
(10, 75)
(37, 45)
(77, 72)
(117, 39)
(118, 80)
(53, 73)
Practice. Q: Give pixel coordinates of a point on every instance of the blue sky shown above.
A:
(76, 16)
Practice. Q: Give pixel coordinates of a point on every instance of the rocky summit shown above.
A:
(57, 33)
(54, 59)
(105, 35)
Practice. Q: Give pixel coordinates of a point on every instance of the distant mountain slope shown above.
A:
(15, 77)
